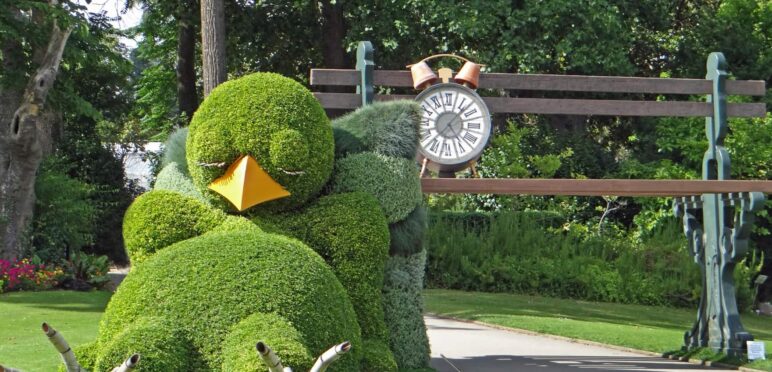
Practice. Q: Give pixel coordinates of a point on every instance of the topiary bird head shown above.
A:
(262, 138)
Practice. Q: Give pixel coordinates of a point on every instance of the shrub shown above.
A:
(386, 128)
(83, 155)
(162, 347)
(173, 179)
(235, 223)
(403, 308)
(174, 151)
(239, 353)
(407, 236)
(86, 355)
(515, 253)
(393, 181)
(160, 218)
(377, 357)
(29, 274)
(272, 118)
(89, 270)
(350, 233)
(212, 282)
(65, 216)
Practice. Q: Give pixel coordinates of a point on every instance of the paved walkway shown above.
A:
(466, 347)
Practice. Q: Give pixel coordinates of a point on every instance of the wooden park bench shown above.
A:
(717, 241)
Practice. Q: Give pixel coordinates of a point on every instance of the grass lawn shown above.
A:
(77, 314)
(648, 328)
(22, 342)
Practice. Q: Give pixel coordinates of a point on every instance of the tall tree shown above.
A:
(333, 31)
(187, 99)
(24, 134)
(213, 44)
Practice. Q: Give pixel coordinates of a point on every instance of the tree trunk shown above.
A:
(21, 149)
(187, 99)
(213, 44)
(333, 32)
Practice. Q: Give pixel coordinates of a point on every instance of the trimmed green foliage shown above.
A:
(514, 252)
(173, 178)
(160, 218)
(407, 236)
(212, 282)
(239, 352)
(393, 181)
(377, 357)
(161, 345)
(235, 223)
(85, 354)
(275, 120)
(386, 128)
(350, 233)
(403, 307)
(174, 150)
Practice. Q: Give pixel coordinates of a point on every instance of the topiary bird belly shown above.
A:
(209, 283)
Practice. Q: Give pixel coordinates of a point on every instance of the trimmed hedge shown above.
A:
(160, 218)
(407, 236)
(239, 352)
(394, 182)
(162, 347)
(174, 150)
(235, 223)
(377, 357)
(85, 354)
(351, 234)
(403, 307)
(212, 282)
(172, 178)
(272, 118)
(386, 128)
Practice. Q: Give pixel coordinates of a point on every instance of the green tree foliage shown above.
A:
(64, 214)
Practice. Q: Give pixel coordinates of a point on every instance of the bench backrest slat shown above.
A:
(350, 101)
(542, 82)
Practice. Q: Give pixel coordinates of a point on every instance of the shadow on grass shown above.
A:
(558, 363)
(93, 302)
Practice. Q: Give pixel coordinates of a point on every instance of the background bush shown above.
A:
(65, 215)
(514, 252)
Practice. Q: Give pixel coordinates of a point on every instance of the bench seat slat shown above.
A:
(591, 187)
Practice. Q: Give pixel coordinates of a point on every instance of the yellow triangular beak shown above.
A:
(246, 184)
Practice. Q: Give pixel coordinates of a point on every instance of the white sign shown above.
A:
(756, 350)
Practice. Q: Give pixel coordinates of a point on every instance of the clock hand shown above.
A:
(450, 125)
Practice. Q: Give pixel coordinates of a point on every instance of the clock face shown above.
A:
(455, 125)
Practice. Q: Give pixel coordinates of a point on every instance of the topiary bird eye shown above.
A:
(289, 151)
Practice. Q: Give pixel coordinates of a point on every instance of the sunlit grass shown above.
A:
(655, 329)
(22, 342)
